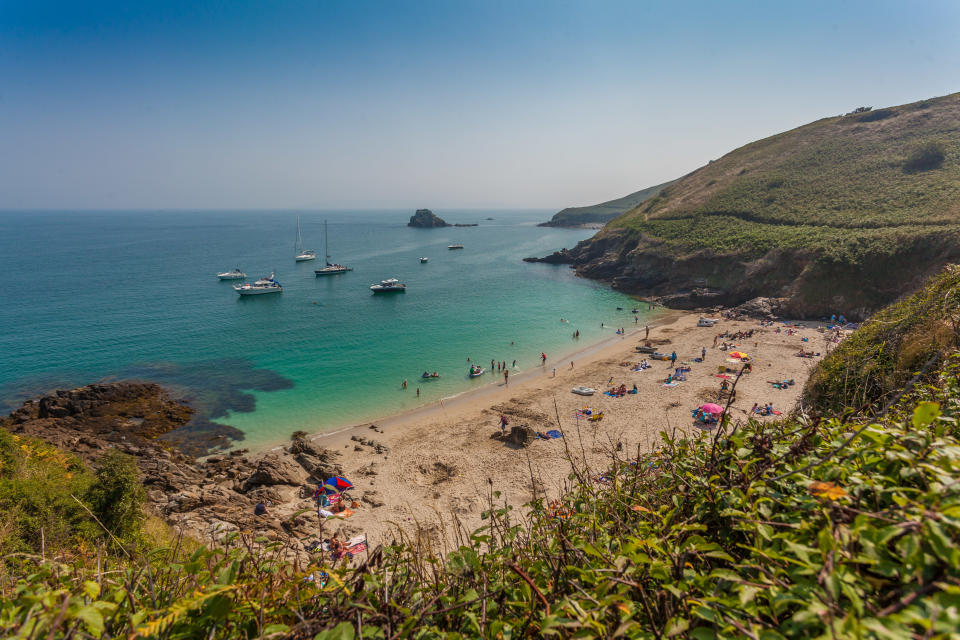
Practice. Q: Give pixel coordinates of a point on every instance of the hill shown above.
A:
(868, 202)
(603, 212)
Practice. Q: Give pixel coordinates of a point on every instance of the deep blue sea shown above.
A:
(89, 296)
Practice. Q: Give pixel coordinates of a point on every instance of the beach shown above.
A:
(422, 469)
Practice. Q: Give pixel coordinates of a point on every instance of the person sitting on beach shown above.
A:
(260, 509)
(754, 408)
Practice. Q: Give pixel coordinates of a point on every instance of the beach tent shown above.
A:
(711, 408)
(739, 355)
(337, 484)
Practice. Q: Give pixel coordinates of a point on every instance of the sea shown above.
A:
(107, 295)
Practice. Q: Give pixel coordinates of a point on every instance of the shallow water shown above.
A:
(94, 295)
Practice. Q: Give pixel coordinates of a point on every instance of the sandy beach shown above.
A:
(441, 460)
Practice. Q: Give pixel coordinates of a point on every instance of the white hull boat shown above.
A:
(422, 260)
(390, 285)
(583, 391)
(260, 287)
(455, 246)
(236, 274)
(302, 255)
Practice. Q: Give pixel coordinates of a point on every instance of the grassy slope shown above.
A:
(797, 529)
(605, 211)
(830, 185)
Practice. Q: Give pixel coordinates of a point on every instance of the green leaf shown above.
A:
(91, 618)
(343, 631)
(925, 413)
(676, 626)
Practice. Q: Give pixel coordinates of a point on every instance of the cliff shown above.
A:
(426, 219)
(866, 202)
(599, 214)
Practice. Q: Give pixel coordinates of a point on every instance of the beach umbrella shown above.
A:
(337, 484)
(711, 408)
(739, 355)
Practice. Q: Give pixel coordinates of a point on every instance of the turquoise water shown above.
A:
(89, 296)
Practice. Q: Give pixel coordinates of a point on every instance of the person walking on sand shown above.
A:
(554, 372)
(673, 358)
(506, 377)
(571, 364)
(503, 423)
(703, 353)
(646, 331)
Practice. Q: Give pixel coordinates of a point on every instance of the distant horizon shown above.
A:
(476, 104)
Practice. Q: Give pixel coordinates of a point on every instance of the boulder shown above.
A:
(273, 470)
(522, 435)
(426, 219)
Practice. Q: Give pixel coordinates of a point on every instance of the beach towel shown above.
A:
(355, 540)
(554, 433)
(357, 548)
(670, 384)
(722, 375)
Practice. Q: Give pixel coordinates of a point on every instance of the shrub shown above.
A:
(929, 155)
(117, 497)
(879, 114)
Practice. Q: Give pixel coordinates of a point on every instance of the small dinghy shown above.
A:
(583, 391)
(476, 371)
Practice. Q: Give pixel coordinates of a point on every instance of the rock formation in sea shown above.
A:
(426, 219)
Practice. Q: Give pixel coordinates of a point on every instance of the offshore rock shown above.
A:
(426, 219)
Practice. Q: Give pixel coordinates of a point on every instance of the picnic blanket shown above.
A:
(670, 384)
(554, 433)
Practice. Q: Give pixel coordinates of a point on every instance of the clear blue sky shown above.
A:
(356, 104)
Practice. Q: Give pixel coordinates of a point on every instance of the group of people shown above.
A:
(765, 410)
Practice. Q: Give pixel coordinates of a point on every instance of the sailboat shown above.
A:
(331, 268)
(303, 256)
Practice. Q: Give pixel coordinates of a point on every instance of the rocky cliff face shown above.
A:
(803, 283)
(426, 219)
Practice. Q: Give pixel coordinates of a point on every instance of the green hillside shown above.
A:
(869, 202)
(804, 528)
(603, 212)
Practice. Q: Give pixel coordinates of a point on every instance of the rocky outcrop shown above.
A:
(426, 219)
(206, 497)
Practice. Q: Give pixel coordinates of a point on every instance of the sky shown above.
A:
(443, 104)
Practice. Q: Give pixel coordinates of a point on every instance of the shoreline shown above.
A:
(432, 409)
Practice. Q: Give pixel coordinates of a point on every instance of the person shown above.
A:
(418, 392)
(754, 408)
(571, 364)
(491, 365)
(503, 423)
(673, 358)
(715, 338)
(554, 372)
(634, 387)
(703, 352)
(426, 374)
(404, 384)
(506, 377)
(578, 333)
(260, 509)
(601, 325)
(514, 363)
(543, 358)
(636, 320)
(646, 330)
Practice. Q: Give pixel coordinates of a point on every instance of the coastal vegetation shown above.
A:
(605, 211)
(866, 201)
(842, 525)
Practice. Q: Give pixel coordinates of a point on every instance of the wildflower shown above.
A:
(827, 490)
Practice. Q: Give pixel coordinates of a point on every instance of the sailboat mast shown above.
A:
(299, 246)
(326, 242)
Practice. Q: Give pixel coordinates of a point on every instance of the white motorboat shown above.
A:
(331, 268)
(259, 287)
(455, 246)
(476, 371)
(583, 391)
(390, 285)
(422, 260)
(236, 274)
(302, 255)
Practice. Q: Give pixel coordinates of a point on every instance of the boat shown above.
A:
(302, 255)
(583, 391)
(331, 268)
(236, 274)
(423, 259)
(476, 370)
(427, 375)
(455, 246)
(390, 285)
(646, 349)
(261, 286)
(706, 322)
